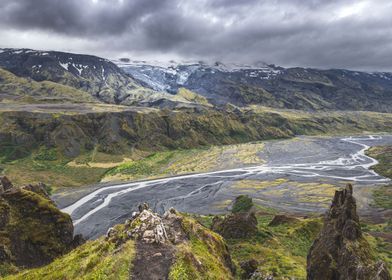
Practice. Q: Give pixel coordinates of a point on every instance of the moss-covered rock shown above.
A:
(241, 223)
(33, 231)
(242, 203)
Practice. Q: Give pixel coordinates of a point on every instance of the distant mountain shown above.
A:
(268, 85)
(189, 84)
(96, 76)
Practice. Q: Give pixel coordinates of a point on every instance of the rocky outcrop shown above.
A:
(238, 225)
(33, 231)
(241, 223)
(160, 241)
(341, 252)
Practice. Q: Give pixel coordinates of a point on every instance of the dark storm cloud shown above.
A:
(319, 33)
(77, 17)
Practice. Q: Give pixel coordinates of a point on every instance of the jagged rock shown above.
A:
(238, 225)
(150, 227)
(282, 219)
(341, 252)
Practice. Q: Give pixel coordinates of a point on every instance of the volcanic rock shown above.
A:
(341, 252)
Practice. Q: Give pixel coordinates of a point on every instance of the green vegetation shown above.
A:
(93, 260)
(192, 97)
(31, 226)
(383, 197)
(177, 142)
(384, 156)
(51, 167)
(175, 162)
(15, 89)
(281, 250)
(204, 257)
(242, 203)
(56, 170)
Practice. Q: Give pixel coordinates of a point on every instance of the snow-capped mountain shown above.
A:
(97, 76)
(268, 85)
(169, 76)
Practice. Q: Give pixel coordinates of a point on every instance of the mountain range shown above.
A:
(269, 85)
(128, 82)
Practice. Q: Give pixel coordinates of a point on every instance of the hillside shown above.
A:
(16, 89)
(43, 139)
(178, 246)
(270, 85)
(147, 246)
(97, 77)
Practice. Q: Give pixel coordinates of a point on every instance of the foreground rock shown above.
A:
(164, 245)
(33, 231)
(341, 252)
(147, 246)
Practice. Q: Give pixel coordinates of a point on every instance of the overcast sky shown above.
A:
(314, 33)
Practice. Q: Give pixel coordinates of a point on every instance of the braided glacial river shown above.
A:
(299, 175)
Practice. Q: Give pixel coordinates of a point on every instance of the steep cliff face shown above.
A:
(341, 252)
(75, 128)
(114, 132)
(32, 230)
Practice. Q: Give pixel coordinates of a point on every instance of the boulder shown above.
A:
(341, 252)
(236, 225)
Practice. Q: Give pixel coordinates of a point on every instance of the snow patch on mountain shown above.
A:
(169, 75)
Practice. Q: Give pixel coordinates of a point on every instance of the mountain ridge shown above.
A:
(270, 85)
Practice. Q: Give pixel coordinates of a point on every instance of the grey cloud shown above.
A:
(315, 33)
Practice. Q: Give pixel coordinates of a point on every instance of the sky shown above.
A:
(308, 33)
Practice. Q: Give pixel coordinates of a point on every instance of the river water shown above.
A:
(298, 163)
